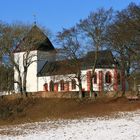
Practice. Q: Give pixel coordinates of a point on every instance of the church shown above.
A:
(47, 72)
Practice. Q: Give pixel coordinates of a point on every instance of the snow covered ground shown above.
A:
(124, 127)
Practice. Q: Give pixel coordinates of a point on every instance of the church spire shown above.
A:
(34, 15)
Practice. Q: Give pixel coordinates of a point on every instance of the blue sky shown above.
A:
(54, 14)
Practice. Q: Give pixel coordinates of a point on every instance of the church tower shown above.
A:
(30, 55)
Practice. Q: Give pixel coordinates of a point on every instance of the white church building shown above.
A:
(48, 73)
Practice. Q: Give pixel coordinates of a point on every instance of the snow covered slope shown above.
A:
(126, 127)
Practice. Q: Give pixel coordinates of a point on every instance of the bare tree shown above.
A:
(6, 78)
(123, 39)
(73, 51)
(95, 27)
(10, 36)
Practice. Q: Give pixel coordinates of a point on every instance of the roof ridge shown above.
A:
(36, 33)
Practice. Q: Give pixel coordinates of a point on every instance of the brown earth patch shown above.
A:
(22, 110)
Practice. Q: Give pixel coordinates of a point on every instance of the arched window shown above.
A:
(51, 86)
(73, 84)
(108, 77)
(118, 78)
(95, 78)
(46, 87)
(62, 85)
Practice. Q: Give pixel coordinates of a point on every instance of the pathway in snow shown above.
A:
(127, 127)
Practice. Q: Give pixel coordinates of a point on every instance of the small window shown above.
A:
(73, 84)
(62, 85)
(51, 86)
(95, 78)
(108, 77)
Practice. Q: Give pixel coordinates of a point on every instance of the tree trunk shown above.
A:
(80, 85)
(123, 83)
(91, 86)
(20, 83)
(123, 75)
(93, 71)
(80, 90)
(25, 81)
(25, 65)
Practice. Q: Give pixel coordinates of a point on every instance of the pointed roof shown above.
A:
(35, 40)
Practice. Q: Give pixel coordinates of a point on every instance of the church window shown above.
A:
(62, 85)
(108, 77)
(51, 86)
(73, 84)
(46, 87)
(95, 78)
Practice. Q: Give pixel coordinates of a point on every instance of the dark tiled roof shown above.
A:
(57, 68)
(105, 60)
(41, 41)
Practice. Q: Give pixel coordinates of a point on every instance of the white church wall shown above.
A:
(42, 81)
(32, 71)
(84, 79)
(18, 58)
(57, 78)
(32, 74)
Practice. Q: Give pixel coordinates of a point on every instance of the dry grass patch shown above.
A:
(21, 110)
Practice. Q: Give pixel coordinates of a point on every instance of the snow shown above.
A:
(125, 126)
